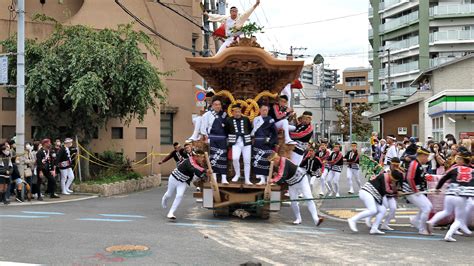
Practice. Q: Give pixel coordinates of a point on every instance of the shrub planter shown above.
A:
(122, 187)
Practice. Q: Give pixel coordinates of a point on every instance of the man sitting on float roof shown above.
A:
(230, 24)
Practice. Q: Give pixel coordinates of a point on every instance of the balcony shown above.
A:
(452, 36)
(371, 76)
(356, 83)
(403, 44)
(389, 3)
(371, 34)
(399, 22)
(440, 60)
(399, 69)
(371, 12)
(452, 10)
(408, 91)
(383, 98)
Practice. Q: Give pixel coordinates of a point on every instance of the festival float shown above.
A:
(244, 73)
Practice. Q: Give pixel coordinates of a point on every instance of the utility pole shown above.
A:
(351, 96)
(214, 24)
(20, 80)
(389, 85)
(292, 49)
(324, 112)
(206, 32)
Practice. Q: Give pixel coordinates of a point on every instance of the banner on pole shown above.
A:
(3, 69)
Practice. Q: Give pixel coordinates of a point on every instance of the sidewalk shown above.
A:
(47, 200)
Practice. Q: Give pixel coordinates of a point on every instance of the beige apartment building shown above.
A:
(158, 131)
(355, 79)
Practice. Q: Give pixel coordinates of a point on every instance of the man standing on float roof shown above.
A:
(213, 131)
(239, 128)
(232, 24)
(265, 138)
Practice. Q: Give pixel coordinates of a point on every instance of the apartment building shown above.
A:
(355, 79)
(410, 36)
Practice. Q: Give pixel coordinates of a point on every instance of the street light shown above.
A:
(351, 95)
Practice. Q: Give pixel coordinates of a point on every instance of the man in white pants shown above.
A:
(239, 129)
(280, 113)
(197, 119)
(232, 24)
(458, 192)
(297, 181)
(414, 184)
(64, 159)
(323, 154)
(352, 159)
(336, 161)
(392, 151)
(302, 136)
(181, 177)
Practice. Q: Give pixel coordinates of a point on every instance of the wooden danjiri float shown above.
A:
(244, 73)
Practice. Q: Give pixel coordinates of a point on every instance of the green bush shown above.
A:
(113, 177)
(119, 169)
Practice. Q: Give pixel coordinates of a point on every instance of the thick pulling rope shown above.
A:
(263, 202)
(250, 106)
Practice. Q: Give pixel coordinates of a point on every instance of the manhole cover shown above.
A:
(128, 251)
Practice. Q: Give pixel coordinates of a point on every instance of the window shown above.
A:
(95, 134)
(8, 104)
(414, 130)
(8, 132)
(117, 133)
(141, 133)
(437, 128)
(296, 97)
(35, 132)
(166, 135)
(141, 157)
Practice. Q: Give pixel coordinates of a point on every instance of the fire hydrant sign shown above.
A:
(3, 70)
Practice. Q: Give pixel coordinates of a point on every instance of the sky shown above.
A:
(343, 42)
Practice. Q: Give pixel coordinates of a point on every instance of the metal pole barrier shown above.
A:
(79, 160)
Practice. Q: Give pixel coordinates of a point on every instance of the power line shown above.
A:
(317, 21)
(185, 12)
(181, 15)
(137, 19)
(258, 20)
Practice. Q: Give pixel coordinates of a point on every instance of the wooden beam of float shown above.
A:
(246, 69)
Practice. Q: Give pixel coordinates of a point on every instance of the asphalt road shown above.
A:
(78, 233)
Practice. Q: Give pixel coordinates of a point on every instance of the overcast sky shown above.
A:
(343, 43)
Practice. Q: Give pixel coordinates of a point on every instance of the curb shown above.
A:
(29, 204)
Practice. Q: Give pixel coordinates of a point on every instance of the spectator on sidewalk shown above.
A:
(436, 160)
(64, 159)
(16, 185)
(36, 180)
(46, 167)
(410, 153)
(6, 169)
(27, 161)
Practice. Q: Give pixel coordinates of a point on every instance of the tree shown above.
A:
(360, 129)
(318, 59)
(79, 78)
